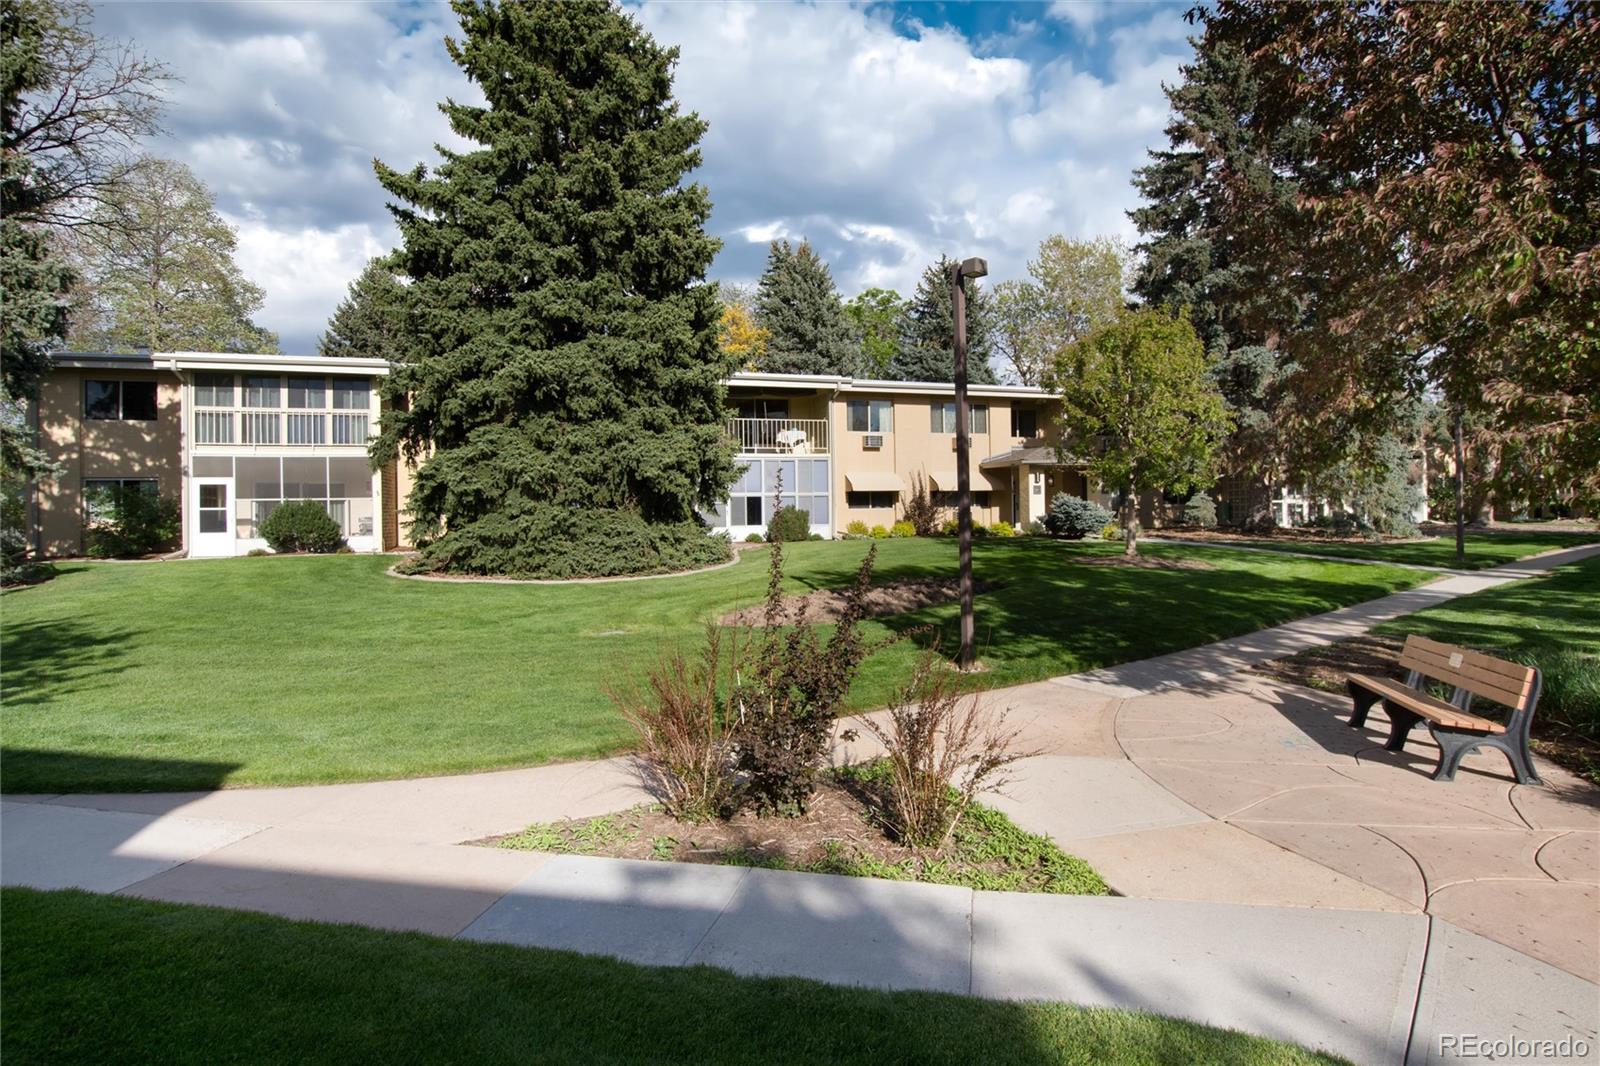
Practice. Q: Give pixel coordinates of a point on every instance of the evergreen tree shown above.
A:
(797, 303)
(928, 331)
(565, 386)
(370, 321)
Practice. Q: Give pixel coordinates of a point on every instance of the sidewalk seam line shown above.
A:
(1422, 978)
(743, 877)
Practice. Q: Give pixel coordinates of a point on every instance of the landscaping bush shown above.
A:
(1002, 529)
(951, 527)
(566, 542)
(941, 751)
(301, 526)
(1570, 693)
(685, 733)
(787, 688)
(902, 529)
(133, 523)
(1201, 510)
(789, 524)
(1111, 531)
(754, 538)
(856, 528)
(878, 533)
(919, 508)
(1075, 518)
(1036, 528)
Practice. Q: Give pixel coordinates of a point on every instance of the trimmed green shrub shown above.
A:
(1570, 694)
(754, 538)
(878, 533)
(301, 526)
(257, 553)
(133, 523)
(1111, 531)
(789, 524)
(1002, 529)
(902, 529)
(1074, 518)
(951, 527)
(857, 528)
(815, 536)
(1036, 528)
(1201, 510)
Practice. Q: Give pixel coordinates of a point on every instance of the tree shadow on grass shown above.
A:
(46, 659)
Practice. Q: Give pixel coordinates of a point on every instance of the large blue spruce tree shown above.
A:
(561, 383)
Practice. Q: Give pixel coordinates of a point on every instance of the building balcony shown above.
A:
(779, 436)
(282, 428)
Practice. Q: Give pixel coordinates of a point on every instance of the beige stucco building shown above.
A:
(232, 436)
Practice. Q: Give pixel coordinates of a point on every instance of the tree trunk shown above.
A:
(1130, 522)
(1461, 493)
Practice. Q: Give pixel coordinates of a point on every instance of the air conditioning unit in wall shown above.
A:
(872, 440)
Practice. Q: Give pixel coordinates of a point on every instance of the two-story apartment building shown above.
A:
(232, 436)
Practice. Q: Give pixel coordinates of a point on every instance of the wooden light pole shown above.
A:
(971, 268)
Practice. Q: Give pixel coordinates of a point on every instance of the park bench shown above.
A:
(1456, 729)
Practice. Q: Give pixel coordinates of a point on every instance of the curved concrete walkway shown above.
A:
(1282, 873)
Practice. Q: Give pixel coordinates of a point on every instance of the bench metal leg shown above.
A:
(1521, 761)
(1363, 701)
(1453, 747)
(1401, 722)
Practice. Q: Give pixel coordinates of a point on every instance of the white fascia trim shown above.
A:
(174, 361)
(846, 384)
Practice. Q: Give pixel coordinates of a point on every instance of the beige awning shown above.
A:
(945, 481)
(874, 481)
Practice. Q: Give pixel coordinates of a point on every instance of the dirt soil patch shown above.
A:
(828, 605)
(1324, 669)
(839, 834)
(1144, 562)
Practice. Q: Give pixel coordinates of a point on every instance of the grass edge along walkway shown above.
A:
(99, 979)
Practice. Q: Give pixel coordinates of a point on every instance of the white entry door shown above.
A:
(211, 528)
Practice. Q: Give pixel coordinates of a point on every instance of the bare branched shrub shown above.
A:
(942, 752)
(787, 690)
(920, 509)
(685, 733)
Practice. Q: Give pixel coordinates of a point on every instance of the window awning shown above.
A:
(874, 481)
(945, 480)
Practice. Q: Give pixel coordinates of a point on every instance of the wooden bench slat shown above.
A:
(1483, 675)
(1429, 707)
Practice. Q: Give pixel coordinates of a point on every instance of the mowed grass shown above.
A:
(1559, 611)
(107, 979)
(1483, 549)
(275, 671)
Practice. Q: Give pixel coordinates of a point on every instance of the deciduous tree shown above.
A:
(875, 313)
(1137, 400)
(566, 389)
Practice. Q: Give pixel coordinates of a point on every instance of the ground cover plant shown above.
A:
(1549, 622)
(110, 979)
(210, 672)
(1484, 549)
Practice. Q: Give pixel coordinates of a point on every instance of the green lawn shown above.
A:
(1558, 611)
(1483, 549)
(151, 676)
(106, 979)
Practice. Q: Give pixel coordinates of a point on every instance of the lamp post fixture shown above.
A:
(971, 268)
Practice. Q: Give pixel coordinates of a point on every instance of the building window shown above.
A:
(213, 390)
(342, 485)
(308, 393)
(871, 499)
(100, 494)
(942, 418)
(1024, 422)
(352, 394)
(763, 408)
(804, 483)
(261, 391)
(869, 416)
(119, 401)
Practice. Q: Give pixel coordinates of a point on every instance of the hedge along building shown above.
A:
(232, 436)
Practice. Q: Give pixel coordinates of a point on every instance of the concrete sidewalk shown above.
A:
(1281, 873)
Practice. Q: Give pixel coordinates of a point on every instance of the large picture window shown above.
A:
(342, 484)
(119, 401)
(750, 501)
(869, 416)
(213, 390)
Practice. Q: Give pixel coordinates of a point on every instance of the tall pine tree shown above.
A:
(928, 331)
(797, 303)
(370, 321)
(563, 386)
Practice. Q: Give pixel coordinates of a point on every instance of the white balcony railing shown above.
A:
(780, 436)
(302, 429)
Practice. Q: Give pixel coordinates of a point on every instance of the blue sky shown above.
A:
(884, 133)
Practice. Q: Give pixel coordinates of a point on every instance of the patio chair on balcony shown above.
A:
(794, 441)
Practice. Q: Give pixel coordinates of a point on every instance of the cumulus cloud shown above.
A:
(883, 143)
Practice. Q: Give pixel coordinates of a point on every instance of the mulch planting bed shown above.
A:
(1144, 562)
(839, 834)
(828, 605)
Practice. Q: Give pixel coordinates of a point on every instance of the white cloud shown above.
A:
(883, 146)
